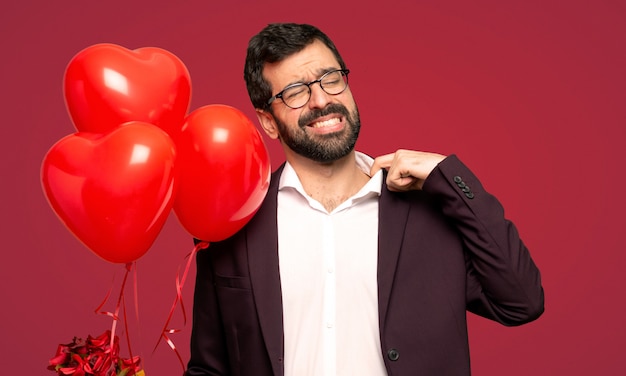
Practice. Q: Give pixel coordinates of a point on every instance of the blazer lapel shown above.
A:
(262, 245)
(392, 217)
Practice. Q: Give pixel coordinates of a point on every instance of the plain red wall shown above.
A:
(530, 94)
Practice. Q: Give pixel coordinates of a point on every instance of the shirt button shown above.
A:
(330, 270)
(393, 354)
(329, 325)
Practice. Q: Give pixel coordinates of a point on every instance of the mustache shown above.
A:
(333, 108)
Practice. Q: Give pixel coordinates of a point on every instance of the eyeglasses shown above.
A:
(297, 95)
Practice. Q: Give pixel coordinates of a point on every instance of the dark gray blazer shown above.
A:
(441, 251)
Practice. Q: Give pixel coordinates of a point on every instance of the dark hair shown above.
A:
(273, 44)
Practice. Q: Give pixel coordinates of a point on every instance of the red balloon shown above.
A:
(106, 85)
(115, 191)
(224, 172)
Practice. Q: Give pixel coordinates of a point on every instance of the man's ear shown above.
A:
(268, 123)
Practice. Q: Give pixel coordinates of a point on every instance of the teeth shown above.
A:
(326, 123)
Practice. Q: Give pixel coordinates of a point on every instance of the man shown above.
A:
(352, 265)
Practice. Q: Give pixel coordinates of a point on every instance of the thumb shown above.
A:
(383, 161)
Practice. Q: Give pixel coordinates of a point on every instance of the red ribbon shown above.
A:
(180, 282)
(121, 303)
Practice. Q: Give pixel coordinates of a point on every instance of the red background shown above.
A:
(529, 94)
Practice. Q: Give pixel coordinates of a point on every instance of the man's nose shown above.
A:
(319, 98)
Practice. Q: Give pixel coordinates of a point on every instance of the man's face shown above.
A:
(327, 127)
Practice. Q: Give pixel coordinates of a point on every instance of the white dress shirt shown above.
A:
(328, 272)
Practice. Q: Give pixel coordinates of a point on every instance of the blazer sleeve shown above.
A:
(503, 282)
(208, 348)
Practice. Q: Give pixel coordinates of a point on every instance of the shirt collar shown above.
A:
(289, 178)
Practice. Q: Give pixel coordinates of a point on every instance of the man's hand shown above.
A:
(407, 169)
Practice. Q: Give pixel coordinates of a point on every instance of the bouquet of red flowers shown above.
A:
(94, 357)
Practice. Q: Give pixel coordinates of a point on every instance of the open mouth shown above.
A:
(325, 123)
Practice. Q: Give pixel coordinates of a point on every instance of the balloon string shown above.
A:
(135, 291)
(108, 294)
(180, 282)
(130, 350)
(120, 303)
(173, 347)
(136, 312)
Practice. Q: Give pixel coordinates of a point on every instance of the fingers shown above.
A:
(407, 169)
(402, 178)
(383, 161)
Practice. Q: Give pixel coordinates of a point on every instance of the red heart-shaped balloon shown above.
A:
(114, 191)
(223, 172)
(106, 85)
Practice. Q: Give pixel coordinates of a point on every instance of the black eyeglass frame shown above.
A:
(344, 72)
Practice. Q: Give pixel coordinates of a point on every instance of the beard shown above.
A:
(327, 147)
